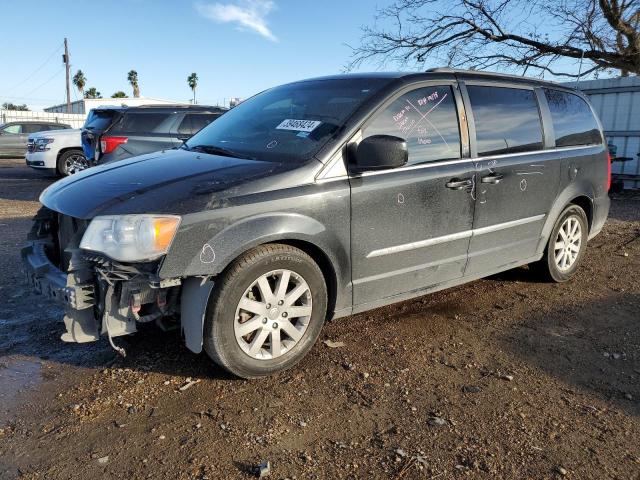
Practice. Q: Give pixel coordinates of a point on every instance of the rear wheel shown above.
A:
(566, 246)
(266, 311)
(70, 162)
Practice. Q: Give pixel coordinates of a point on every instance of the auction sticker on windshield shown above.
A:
(298, 125)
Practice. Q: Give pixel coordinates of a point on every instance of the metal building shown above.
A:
(617, 102)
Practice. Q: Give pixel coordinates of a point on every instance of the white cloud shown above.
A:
(248, 14)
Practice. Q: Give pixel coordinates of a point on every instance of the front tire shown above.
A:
(566, 246)
(266, 311)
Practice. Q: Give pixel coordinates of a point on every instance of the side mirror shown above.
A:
(380, 152)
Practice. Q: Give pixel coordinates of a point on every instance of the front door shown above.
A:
(13, 140)
(517, 180)
(410, 226)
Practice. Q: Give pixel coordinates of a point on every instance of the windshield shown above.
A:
(288, 123)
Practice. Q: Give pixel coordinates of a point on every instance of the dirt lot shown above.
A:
(503, 378)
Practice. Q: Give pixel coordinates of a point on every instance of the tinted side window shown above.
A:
(144, 123)
(201, 120)
(33, 127)
(185, 126)
(194, 122)
(15, 128)
(507, 120)
(427, 119)
(573, 121)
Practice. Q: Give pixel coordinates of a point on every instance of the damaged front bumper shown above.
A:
(100, 296)
(74, 290)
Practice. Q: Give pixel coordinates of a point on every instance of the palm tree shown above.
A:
(192, 80)
(79, 80)
(92, 93)
(133, 80)
(119, 94)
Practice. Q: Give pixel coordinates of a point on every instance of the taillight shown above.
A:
(609, 160)
(109, 144)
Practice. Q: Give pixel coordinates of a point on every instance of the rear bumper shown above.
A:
(600, 213)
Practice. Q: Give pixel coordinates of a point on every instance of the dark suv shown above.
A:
(320, 199)
(116, 133)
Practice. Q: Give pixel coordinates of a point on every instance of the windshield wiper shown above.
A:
(213, 150)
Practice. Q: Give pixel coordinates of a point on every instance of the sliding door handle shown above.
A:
(458, 184)
(493, 178)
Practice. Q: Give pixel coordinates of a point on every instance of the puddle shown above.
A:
(17, 376)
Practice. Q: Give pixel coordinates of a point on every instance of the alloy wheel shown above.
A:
(567, 244)
(273, 314)
(75, 163)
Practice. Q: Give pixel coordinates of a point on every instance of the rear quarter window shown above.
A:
(573, 120)
(99, 120)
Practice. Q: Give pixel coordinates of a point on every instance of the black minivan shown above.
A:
(320, 199)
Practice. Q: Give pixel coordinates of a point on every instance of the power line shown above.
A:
(37, 69)
(29, 99)
(45, 82)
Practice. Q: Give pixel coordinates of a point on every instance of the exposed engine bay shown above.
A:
(102, 296)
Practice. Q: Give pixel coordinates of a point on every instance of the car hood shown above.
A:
(67, 132)
(171, 181)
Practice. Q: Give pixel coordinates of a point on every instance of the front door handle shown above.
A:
(493, 178)
(458, 184)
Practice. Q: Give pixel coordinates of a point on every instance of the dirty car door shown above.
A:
(517, 178)
(411, 225)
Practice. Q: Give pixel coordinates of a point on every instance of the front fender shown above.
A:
(196, 252)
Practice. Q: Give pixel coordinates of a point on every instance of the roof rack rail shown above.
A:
(481, 73)
(176, 105)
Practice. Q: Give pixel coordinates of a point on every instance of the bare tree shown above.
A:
(560, 37)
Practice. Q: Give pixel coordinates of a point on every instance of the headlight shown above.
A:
(131, 238)
(42, 144)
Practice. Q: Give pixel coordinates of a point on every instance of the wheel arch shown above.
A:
(586, 204)
(197, 290)
(67, 149)
(578, 193)
(323, 261)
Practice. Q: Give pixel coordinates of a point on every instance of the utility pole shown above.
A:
(65, 58)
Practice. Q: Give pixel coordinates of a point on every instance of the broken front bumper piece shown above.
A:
(75, 290)
(99, 295)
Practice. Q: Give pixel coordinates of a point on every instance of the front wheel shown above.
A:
(566, 246)
(266, 311)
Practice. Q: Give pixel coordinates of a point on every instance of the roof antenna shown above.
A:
(579, 71)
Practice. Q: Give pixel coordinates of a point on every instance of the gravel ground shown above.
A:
(502, 378)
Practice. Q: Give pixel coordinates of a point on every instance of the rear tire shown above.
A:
(566, 246)
(68, 161)
(254, 326)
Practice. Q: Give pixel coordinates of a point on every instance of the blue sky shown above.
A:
(237, 47)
